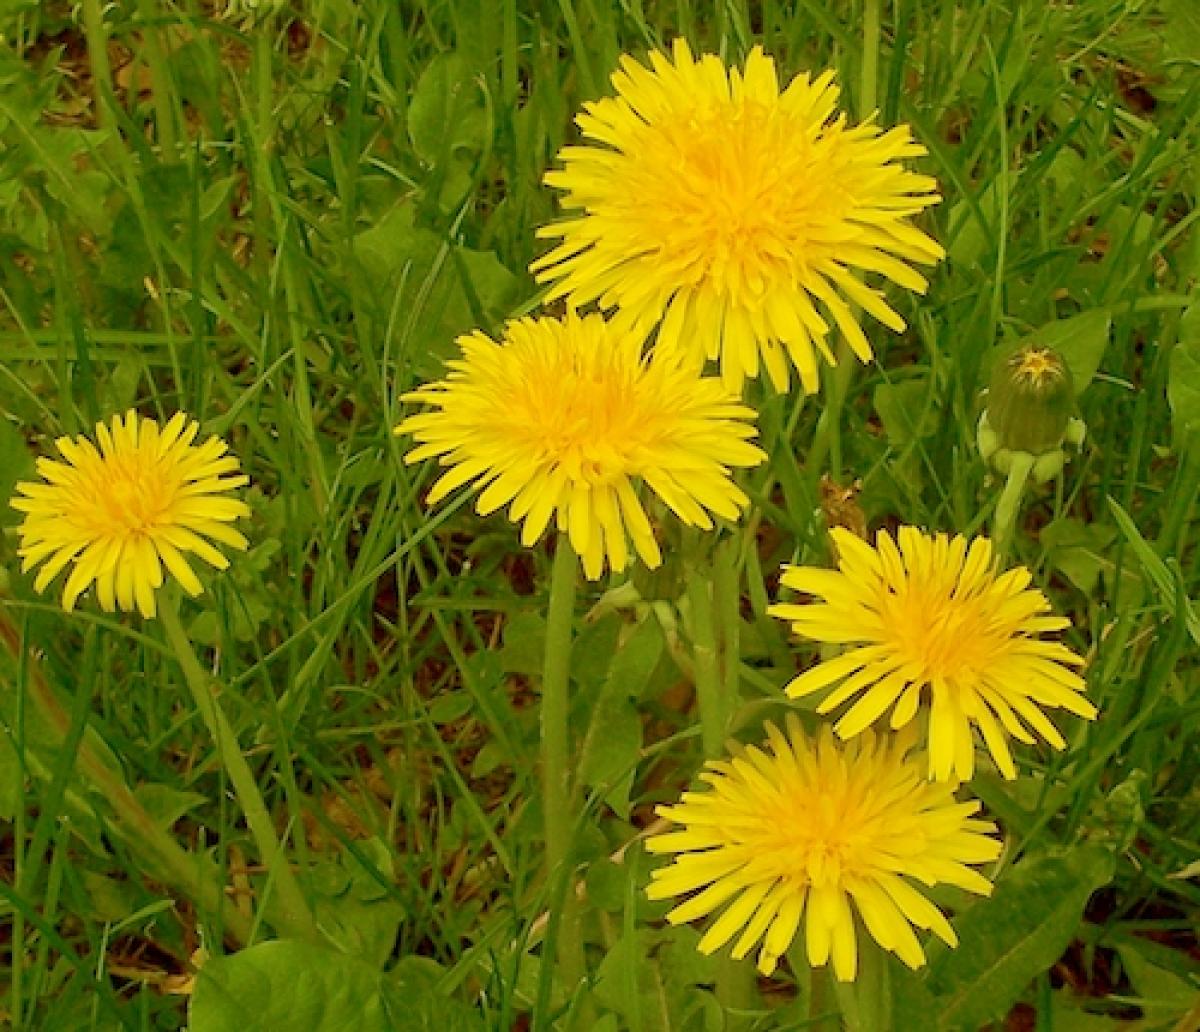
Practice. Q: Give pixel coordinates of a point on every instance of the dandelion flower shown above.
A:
(564, 417)
(738, 215)
(118, 513)
(814, 831)
(930, 615)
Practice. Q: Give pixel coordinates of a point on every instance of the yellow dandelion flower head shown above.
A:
(814, 831)
(738, 215)
(564, 417)
(930, 616)
(117, 511)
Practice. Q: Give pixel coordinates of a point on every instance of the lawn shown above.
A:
(426, 641)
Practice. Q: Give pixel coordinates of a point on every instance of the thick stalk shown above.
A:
(705, 661)
(558, 813)
(870, 59)
(866, 1002)
(715, 693)
(292, 917)
(827, 440)
(163, 89)
(1010, 503)
(97, 43)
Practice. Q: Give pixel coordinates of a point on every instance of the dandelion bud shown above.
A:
(1030, 402)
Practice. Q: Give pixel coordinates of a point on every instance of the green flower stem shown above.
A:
(293, 918)
(870, 58)
(162, 90)
(866, 1002)
(727, 597)
(558, 813)
(167, 860)
(1007, 508)
(715, 693)
(1184, 492)
(706, 668)
(827, 439)
(97, 42)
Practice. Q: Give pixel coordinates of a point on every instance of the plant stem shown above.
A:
(866, 1002)
(1010, 503)
(1184, 491)
(294, 918)
(706, 665)
(870, 58)
(97, 44)
(711, 589)
(827, 440)
(171, 863)
(557, 810)
(160, 77)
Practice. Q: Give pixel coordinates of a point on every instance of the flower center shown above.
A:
(589, 421)
(940, 637)
(821, 839)
(1036, 366)
(133, 498)
(735, 197)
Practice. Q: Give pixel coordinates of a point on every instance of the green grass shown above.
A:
(280, 226)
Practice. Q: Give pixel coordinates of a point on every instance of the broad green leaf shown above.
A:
(447, 112)
(354, 907)
(438, 290)
(634, 662)
(524, 644)
(627, 975)
(1017, 934)
(973, 226)
(368, 927)
(16, 463)
(165, 804)
(1067, 1015)
(446, 709)
(109, 899)
(613, 743)
(593, 649)
(294, 985)
(611, 751)
(652, 980)
(907, 410)
(1182, 30)
(607, 882)
(12, 779)
(1163, 995)
(1080, 340)
(1080, 551)
(1183, 383)
(913, 1006)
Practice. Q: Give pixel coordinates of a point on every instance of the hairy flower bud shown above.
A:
(1030, 399)
(1030, 402)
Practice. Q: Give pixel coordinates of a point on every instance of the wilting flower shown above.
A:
(120, 512)
(814, 831)
(931, 616)
(565, 416)
(738, 215)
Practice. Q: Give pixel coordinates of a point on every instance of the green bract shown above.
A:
(1030, 399)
